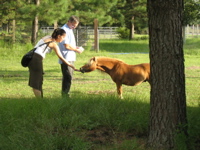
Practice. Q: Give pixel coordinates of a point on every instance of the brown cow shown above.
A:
(120, 72)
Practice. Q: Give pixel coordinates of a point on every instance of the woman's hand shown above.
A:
(74, 68)
(77, 70)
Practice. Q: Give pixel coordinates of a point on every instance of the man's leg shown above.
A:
(67, 73)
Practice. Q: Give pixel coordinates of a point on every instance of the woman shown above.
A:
(36, 66)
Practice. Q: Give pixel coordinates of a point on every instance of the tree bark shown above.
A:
(96, 35)
(168, 99)
(35, 26)
(13, 31)
(55, 24)
(132, 29)
(34, 30)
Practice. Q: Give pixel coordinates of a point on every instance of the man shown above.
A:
(68, 49)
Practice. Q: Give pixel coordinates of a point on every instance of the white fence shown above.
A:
(110, 32)
(104, 32)
(85, 35)
(192, 31)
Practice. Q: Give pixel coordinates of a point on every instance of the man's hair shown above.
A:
(74, 19)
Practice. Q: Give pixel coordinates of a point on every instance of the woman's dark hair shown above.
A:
(57, 32)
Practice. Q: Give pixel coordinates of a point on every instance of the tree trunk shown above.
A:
(7, 27)
(132, 30)
(96, 36)
(35, 26)
(168, 99)
(34, 30)
(55, 24)
(13, 31)
(133, 27)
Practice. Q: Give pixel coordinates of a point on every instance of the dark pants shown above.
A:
(67, 73)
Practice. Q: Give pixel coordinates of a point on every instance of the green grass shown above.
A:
(94, 118)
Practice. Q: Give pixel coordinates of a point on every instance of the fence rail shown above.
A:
(104, 32)
(85, 35)
(110, 32)
(193, 30)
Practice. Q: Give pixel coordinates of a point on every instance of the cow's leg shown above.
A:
(119, 90)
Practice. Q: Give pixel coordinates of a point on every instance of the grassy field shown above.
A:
(94, 117)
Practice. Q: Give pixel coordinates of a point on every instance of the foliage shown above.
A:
(116, 13)
(191, 12)
(7, 11)
(136, 9)
(108, 12)
(123, 33)
(50, 9)
(89, 10)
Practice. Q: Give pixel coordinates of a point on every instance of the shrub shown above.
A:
(123, 33)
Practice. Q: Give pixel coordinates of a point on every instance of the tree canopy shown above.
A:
(192, 12)
(108, 12)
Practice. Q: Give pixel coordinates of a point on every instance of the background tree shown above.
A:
(7, 14)
(109, 13)
(45, 12)
(168, 99)
(140, 15)
(116, 13)
(35, 24)
(12, 12)
(135, 9)
(51, 11)
(191, 12)
(88, 10)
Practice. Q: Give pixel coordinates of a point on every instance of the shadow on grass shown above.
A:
(13, 73)
(98, 120)
(88, 120)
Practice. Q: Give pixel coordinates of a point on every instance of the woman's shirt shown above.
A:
(41, 49)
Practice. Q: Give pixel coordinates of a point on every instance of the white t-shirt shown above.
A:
(69, 55)
(41, 49)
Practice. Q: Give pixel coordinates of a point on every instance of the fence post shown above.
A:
(77, 36)
(192, 30)
(96, 35)
(188, 28)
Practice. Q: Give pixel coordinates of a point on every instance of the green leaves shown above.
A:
(191, 12)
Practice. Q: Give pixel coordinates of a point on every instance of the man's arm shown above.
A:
(76, 49)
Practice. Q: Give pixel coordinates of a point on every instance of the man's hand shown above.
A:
(80, 49)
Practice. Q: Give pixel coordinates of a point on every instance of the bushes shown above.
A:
(123, 33)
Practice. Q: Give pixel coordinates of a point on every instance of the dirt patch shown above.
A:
(80, 81)
(193, 67)
(103, 136)
(102, 92)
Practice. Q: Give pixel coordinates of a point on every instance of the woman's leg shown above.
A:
(38, 94)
